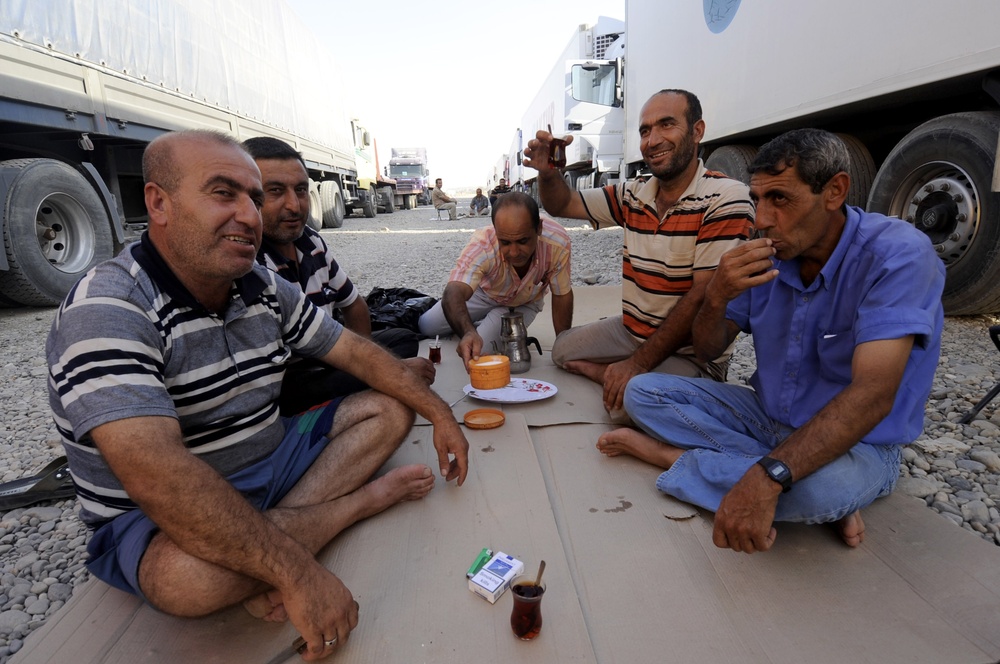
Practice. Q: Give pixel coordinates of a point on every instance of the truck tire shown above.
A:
(315, 218)
(332, 204)
(938, 178)
(862, 171)
(390, 199)
(369, 206)
(409, 201)
(55, 228)
(732, 160)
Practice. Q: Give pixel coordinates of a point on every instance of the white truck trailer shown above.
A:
(912, 85)
(86, 84)
(579, 98)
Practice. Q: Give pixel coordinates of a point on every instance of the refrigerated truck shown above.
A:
(913, 86)
(86, 84)
(578, 98)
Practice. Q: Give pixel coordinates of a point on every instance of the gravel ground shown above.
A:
(953, 468)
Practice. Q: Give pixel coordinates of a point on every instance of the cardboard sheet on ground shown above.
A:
(406, 567)
(918, 590)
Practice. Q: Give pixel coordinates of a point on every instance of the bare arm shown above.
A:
(557, 198)
(456, 294)
(673, 334)
(386, 373)
(562, 311)
(357, 318)
(743, 521)
(741, 268)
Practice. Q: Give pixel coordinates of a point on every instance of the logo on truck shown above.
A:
(719, 13)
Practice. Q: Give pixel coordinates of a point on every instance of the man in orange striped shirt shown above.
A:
(677, 226)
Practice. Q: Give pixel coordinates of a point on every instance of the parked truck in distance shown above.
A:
(81, 98)
(580, 97)
(408, 167)
(912, 86)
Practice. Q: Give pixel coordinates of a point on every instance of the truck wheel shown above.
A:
(605, 180)
(369, 206)
(390, 200)
(938, 178)
(732, 160)
(315, 219)
(55, 228)
(408, 202)
(862, 170)
(332, 204)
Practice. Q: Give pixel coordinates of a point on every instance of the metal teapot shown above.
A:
(515, 342)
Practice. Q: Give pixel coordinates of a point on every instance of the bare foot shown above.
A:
(852, 529)
(637, 444)
(411, 482)
(267, 606)
(587, 369)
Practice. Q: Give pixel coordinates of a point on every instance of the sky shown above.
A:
(454, 76)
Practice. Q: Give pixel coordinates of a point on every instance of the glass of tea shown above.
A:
(526, 616)
(557, 151)
(434, 351)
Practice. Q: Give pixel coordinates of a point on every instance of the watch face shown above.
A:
(780, 470)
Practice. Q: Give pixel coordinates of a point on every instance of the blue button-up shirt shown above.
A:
(883, 281)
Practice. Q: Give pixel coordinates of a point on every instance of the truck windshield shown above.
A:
(595, 84)
(405, 171)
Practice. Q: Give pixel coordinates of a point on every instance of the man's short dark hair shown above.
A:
(816, 155)
(266, 147)
(693, 113)
(518, 199)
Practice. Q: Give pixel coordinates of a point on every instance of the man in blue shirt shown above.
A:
(845, 312)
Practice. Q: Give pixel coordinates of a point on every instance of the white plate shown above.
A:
(518, 390)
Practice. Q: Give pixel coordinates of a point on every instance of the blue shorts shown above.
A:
(116, 548)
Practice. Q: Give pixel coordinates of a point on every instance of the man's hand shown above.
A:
(422, 367)
(449, 440)
(616, 377)
(745, 518)
(744, 267)
(470, 347)
(322, 609)
(536, 153)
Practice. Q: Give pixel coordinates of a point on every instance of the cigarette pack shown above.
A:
(493, 579)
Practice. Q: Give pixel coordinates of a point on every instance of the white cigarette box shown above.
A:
(495, 577)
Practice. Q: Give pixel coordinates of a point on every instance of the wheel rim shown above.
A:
(941, 200)
(64, 233)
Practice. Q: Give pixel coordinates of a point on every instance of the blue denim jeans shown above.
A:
(724, 430)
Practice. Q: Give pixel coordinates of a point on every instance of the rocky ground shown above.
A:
(953, 468)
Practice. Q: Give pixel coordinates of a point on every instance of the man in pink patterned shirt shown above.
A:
(509, 265)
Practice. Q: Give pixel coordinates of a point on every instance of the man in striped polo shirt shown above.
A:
(677, 226)
(165, 365)
(510, 264)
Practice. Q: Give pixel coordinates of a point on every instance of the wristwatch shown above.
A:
(778, 472)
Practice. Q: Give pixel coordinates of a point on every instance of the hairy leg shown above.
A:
(333, 494)
(636, 443)
(592, 370)
(852, 529)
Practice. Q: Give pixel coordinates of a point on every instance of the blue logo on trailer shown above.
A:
(719, 13)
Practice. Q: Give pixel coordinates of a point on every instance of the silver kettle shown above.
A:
(515, 342)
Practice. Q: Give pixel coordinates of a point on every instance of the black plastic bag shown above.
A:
(397, 307)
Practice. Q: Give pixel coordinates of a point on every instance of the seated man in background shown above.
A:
(677, 225)
(443, 201)
(165, 365)
(480, 205)
(846, 326)
(499, 191)
(299, 254)
(510, 264)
